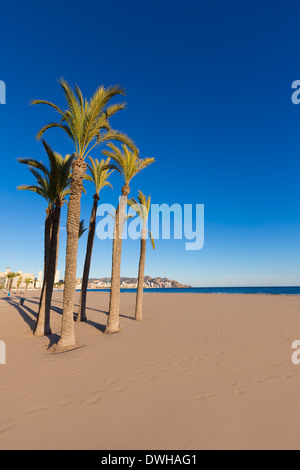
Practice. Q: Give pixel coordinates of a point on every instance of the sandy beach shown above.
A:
(202, 372)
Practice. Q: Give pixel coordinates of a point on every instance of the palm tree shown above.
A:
(27, 281)
(99, 176)
(43, 189)
(142, 208)
(57, 182)
(19, 282)
(128, 163)
(11, 276)
(86, 123)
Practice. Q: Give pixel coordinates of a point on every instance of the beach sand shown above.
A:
(203, 371)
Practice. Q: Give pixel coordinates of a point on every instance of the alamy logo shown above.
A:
(164, 222)
(2, 92)
(2, 353)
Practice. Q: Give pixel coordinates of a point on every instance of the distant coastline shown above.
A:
(292, 290)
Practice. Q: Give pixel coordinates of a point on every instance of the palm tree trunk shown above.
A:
(48, 232)
(140, 289)
(9, 285)
(113, 322)
(45, 329)
(40, 329)
(87, 264)
(67, 340)
(57, 250)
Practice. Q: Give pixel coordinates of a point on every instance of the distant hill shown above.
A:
(150, 281)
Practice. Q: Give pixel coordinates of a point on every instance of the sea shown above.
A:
(218, 290)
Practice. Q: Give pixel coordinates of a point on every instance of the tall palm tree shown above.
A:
(43, 189)
(28, 281)
(58, 182)
(142, 208)
(19, 282)
(128, 163)
(86, 123)
(60, 178)
(11, 276)
(99, 175)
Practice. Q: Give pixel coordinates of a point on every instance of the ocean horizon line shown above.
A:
(259, 290)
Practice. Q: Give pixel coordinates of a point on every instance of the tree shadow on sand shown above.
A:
(98, 326)
(53, 339)
(22, 311)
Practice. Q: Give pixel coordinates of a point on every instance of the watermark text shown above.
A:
(2, 92)
(2, 353)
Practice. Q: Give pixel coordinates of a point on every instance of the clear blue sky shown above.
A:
(209, 96)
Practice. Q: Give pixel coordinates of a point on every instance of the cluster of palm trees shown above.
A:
(86, 123)
(10, 279)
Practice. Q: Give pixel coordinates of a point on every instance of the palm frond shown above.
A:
(99, 173)
(128, 161)
(141, 207)
(86, 122)
(152, 240)
(82, 229)
(52, 183)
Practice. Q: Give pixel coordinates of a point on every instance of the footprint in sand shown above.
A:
(241, 391)
(197, 359)
(55, 385)
(65, 403)
(8, 426)
(37, 409)
(111, 382)
(94, 401)
(153, 363)
(204, 396)
(72, 371)
(134, 379)
(238, 389)
(21, 397)
(151, 377)
(223, 367)
(137, 376)
(262, 380)
(119, 390)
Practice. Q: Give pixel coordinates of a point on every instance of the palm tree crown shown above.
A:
(86, 122)
(128, 162)
(142, 208)
(42, 186)
(12, 275)
(99, 173)
(53, 183)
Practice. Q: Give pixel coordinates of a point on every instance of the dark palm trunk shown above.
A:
(67, 340)
(52, 265)
(87, 263)
(140, 289)
(41, 321)
(113, 322)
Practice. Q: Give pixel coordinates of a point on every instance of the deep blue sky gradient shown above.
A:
(209, 96)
